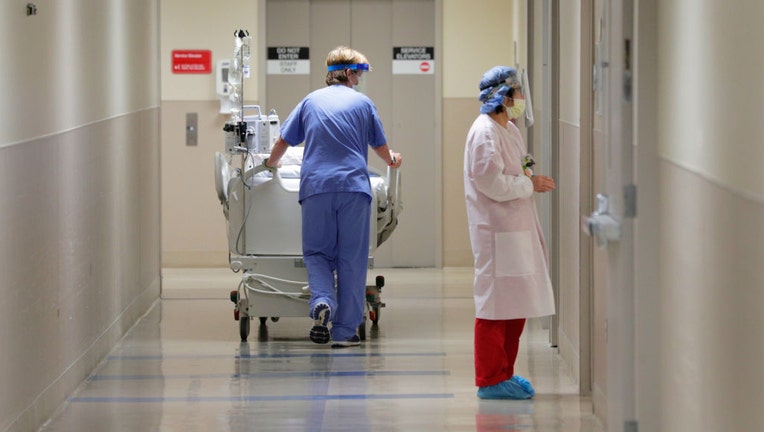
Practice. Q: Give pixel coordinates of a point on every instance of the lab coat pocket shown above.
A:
(514, 254)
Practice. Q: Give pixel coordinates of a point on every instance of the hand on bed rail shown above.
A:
(395, 160)
(391, 158)
(270, 168)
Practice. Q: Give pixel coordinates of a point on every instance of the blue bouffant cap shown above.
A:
(495, 85)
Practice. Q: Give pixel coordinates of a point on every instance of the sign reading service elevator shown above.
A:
(415, 60)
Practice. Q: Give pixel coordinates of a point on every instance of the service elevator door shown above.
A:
(408, 102)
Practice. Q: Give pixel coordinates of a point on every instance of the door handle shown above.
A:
(601, 224)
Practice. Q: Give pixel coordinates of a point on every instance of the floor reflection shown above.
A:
(184, 367)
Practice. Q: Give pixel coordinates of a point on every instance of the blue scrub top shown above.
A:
(337, 125)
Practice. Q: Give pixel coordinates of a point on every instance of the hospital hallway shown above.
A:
(182, 367)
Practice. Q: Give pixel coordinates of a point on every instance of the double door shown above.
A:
(408, 101)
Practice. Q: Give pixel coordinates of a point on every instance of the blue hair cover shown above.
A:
(494, 85)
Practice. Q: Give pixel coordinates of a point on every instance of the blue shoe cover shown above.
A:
(524, 383)
(504, 390)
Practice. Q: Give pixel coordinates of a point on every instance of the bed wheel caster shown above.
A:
(264, 320)
(242, 318)
(374, 300)
(234, 296)
(244, 328)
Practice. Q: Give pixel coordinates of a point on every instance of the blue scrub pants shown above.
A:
(335, 238)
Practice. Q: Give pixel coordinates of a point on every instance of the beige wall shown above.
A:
(458, 115)
(473, 42)
(570, 62)
(718, 137)
(79, 197)
(193, 225)
(204, 25)
(709, 297)
(711, 308)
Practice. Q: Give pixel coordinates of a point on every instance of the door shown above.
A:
(611, 223)
(408, 100)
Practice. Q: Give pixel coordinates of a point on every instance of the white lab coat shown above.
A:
(511, 266)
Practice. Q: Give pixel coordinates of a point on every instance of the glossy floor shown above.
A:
(184, 368)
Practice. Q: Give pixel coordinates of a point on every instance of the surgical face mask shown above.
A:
(516, 111)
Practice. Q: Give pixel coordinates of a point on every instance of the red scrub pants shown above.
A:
(496, 346)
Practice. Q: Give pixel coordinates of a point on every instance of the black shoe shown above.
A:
(321, 315)
(353, 341)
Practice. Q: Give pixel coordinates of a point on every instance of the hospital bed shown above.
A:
(264, 235)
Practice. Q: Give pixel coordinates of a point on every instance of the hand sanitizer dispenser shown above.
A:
(223, 87)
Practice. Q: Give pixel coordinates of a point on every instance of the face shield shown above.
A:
(358, 68)
(527, 94)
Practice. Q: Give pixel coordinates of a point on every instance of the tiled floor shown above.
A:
(183, 368)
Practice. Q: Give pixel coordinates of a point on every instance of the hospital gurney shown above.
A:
(264, 222)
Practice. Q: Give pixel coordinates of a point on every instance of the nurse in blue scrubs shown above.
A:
(337, 124)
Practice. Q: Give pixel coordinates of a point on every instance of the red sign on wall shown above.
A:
(191, 61)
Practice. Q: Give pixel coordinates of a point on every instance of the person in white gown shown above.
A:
(511, 266)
